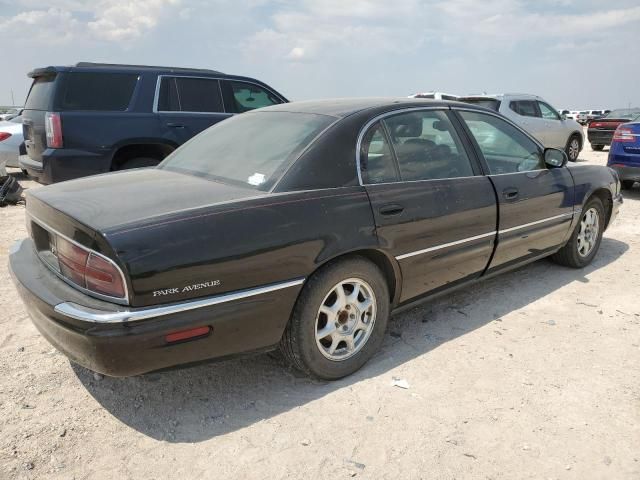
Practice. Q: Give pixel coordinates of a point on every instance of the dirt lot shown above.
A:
(534, 374)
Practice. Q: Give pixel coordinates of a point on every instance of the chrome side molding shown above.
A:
(91, 315)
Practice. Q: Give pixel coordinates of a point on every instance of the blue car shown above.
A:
(624, 154)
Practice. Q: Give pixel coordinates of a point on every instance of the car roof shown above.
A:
(502, 96)
(343, 107)
(117, 67)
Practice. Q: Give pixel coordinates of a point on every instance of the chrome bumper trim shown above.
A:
(86, 314)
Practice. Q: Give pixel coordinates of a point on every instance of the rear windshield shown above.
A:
(250, 150)
(95, 91)
(624, 113)
(39, 97)
(490, 103)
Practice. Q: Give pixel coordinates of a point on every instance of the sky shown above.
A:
(577, 54)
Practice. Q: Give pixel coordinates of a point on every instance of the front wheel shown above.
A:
(586, 237)
(339, 320)
(597, 148)
(573, 148)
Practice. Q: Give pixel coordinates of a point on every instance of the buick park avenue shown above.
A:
(300, 226)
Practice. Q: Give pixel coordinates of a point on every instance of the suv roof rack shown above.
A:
(146, 67)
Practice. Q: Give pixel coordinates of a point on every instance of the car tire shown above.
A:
(597, 148)
(627, 184)
(585, 240)
(139, 162)
(327, 336)
(573, 148)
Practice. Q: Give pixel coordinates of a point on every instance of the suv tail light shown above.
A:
(53, 129)
(4, 136)
(623, 134)
(88, 269)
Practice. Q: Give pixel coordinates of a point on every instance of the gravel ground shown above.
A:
(534, 374)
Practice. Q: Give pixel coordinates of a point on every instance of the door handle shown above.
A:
(510, 193)
(175, 125)
(391, 209)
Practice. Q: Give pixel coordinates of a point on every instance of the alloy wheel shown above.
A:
(345, 319)
(574, 149)
(589, 231)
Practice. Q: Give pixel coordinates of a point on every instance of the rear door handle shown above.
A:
(175, 125)
(510, 193)
(391, 209)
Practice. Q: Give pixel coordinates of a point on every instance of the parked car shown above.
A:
(95, 118)
(10, 143)
(9, 114)
(435, 96)
(538, 117)
(306, 237)
(582, 117)
(624, 154)
(600, 131)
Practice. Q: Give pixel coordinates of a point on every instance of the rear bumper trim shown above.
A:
(86, 314)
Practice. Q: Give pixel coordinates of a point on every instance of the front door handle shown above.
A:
(510, 193)
(391, 210)
(175, 125)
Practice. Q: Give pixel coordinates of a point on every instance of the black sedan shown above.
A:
(300, 226)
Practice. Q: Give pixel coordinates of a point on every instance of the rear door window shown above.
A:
(376, 160)
(39, 97)
(547, 112)
(96, 91)
(526, 108)
(185, 94)
(248, 96)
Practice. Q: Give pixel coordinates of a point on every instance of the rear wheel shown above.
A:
(586, 237)
(139, 162)
(597, 148)
(573, 148)
(627, 184)
(339, 320)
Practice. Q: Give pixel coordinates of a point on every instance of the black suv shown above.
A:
(93, 118)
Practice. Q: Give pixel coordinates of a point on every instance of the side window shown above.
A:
(184, 94)
(427, 146)
(526, 108)
(548, 112)
(96, 91)
(376, 160)
(505, 148)
(247, 96)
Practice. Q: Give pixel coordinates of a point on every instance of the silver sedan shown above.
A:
(10, 140)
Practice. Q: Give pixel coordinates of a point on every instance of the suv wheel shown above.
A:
(139, 162)
(597, 148)
(339, 320)
(573, 148)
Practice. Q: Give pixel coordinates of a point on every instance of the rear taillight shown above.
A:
(88, 269)
(623, 134)
(53, 129)
(4, 136)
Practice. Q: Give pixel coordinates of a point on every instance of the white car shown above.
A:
(10, 141)
(10, 114)
(435, 96)
(537, 117)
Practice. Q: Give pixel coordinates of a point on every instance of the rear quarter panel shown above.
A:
(590, 178)
(242, 245)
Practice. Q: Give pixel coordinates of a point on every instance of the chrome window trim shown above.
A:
(119, 300)
(537, 222)
(86, 314)
(156, 95)
(445, 245)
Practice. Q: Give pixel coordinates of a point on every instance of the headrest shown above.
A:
(406, 125)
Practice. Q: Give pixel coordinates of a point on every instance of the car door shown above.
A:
(434, 211)
(528, 117)
(535, 204)
(555, 130)
(188, 105)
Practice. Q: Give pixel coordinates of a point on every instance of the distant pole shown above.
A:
(13, 102)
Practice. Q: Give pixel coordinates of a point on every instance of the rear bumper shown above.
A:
(125, 347)
(626, 172)
(62, 164)
(600, 137)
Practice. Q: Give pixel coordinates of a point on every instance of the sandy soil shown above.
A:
(534, 374)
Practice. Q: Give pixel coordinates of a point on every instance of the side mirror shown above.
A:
(555, 158)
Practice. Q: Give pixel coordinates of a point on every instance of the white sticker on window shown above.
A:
(256, 179)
